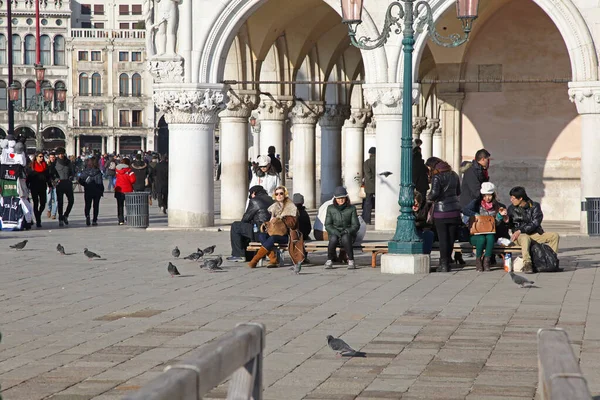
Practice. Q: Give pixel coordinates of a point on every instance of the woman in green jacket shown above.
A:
(341, 224)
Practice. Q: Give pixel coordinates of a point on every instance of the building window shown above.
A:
(123, 56)
(59, 50)
(123, 117)
(124, 9)
(86, 25)
(2, 49)
(96, 56)
(123, 85)
(82, 56)
(136, 56)
(16, 42)
(98, 9)
(98, 25)
(96, 85)
(58, 85)
(45, 55)
(124, 25)
(136, 85)
(136, 118)
(86, 9)
(83, 85)
(96, 117)
(3, 96)
(136, 9)
(29, 93)
(84, 117)
(29, 50)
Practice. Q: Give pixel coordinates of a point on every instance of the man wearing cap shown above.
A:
(265, 175)
(369, 177)
(341, 224)
(244, 231)
(63, 171)
(304, 224)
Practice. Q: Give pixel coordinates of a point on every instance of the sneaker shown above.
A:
(54, 217)
(66, 220)
(351, 264)
(60, 223)
(236, 259)
(528, 267)
(329, 264)
(94, 223)
(121, 223)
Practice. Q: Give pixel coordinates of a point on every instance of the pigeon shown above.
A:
(219, 260)
(519, 280)
(212, 265)
(172, 270)
(90, 254)
(385, 174)
(297, 268)
(60, 249)
(342, 348)
(194, 256)
(176, 252)
(209, 250)
(20, 245)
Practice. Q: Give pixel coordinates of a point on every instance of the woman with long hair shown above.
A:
(444, 194)
(38, 182)
(264, 174)
(93, 187)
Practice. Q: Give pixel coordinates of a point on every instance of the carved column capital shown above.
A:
(335, 115)
(386, 99)
(359, 117)
(190, 106)
(586, 96)
(306, 113)
(240, 104)
(419, 123)
(274, 109)
(431, 126)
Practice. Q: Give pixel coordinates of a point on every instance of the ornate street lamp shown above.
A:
(405, 240)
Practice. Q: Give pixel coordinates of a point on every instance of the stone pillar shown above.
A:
(117, 144)
(331, 148)
(103, 146)
(427, 137)
(419, 123)
(353, 152)
(370, 137)
(451, 124)
(110, 144)
(586, 96)
(191, 112)
(272, 113)
(234, 153)
(304, 117)
(77, 146)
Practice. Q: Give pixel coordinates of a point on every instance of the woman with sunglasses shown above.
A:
(265, 175)
(284, 216)
(38, 182)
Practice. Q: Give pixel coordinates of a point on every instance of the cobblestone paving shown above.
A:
(76, 329)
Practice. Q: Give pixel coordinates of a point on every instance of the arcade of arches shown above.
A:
(524, 87)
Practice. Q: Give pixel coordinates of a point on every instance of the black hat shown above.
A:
(372, 150)
(340, 192)
(61, 150)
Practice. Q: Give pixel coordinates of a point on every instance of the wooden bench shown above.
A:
(559, 375)
(311, 246)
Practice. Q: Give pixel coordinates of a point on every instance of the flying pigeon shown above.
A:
(519, 280)
(172, 270)
(212, 265)
(175, 252)
(209, 250)
(386, 174)
(20, 245)
(60, 249)
(90, 254)
(342, 348)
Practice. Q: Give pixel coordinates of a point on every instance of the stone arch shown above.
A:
(568, 21)
(209, 64)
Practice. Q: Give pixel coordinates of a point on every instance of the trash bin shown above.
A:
(592, 206)
(136, 204)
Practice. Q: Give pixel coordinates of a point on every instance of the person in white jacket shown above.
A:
(265, 175)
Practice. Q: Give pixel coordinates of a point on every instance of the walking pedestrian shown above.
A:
(38, 180)
(52, 201)
(124, 184)
(369, 175)
(161, 183)
(93, 189)
(64, 172)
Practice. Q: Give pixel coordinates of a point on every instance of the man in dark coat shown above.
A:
(419, 173)
(474, 176)
(275, 162)
(160, 178)
(304, 224)
(140, 169)
(244, 231)
(369, 176)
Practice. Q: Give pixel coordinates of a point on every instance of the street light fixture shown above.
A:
(401, 18)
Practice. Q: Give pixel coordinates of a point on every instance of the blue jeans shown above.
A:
(427, 237)
(52, 203)
(111, 184)
(268, 242)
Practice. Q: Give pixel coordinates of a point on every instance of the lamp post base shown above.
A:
(404, 264)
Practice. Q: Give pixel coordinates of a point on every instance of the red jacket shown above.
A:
(125, 179)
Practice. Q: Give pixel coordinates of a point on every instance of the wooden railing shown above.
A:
(238, 353)
(559, 375)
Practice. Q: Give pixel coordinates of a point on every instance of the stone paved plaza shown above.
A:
(75, 329)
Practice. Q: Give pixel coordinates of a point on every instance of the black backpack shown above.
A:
(544, 259)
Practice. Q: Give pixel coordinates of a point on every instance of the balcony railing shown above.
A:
(82, 124)
(85, 33)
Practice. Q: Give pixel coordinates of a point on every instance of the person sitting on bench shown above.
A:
(341, 224)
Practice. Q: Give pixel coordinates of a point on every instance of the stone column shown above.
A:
(427, 137)
(191, 112)
(304, 117)
(272, 113)
(586, 96)
(110, 144)
(234, 153)
(419, 123)
(103, 146)
(451, 124)
(331, 148)
(353, 152)
(77, 146)
(370, 137)
(117, 144)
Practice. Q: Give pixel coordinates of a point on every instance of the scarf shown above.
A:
(39, 167)
(487, 206)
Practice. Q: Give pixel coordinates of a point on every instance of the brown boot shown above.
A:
(273, 262)
(259, 255)
(478, 264)
(486, 263)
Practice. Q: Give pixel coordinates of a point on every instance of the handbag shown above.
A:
(482, 224)
(361, 192)
(276, 228)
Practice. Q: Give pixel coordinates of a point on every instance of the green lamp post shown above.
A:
(402, 17)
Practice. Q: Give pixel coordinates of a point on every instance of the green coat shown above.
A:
(369, 174)
(341, 219)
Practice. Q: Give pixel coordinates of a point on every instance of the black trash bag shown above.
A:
(544, 259)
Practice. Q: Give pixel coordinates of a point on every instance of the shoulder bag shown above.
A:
(482, 224)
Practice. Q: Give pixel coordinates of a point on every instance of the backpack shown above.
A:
(544, 259)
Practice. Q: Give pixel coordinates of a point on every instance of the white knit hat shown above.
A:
(263, 161)
(488, 188)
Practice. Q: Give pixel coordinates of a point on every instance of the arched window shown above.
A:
(136, 85)
(83, 85)
(2, 49)
(16, 42)
(96, 85)
(124, 85)
(58, 85)
(45, 50)
(59, 50)
(29, 93)
(3, 96)
(29, 50)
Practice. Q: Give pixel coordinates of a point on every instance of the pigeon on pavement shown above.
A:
(386, 173)
(90, 254)
(519, 280)
(60, 249)
(176, 252)
(342, 348)
(209, 250)
(194, 256)
(219, 260)
(212, 265)
(20, 245)
(172, 270)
